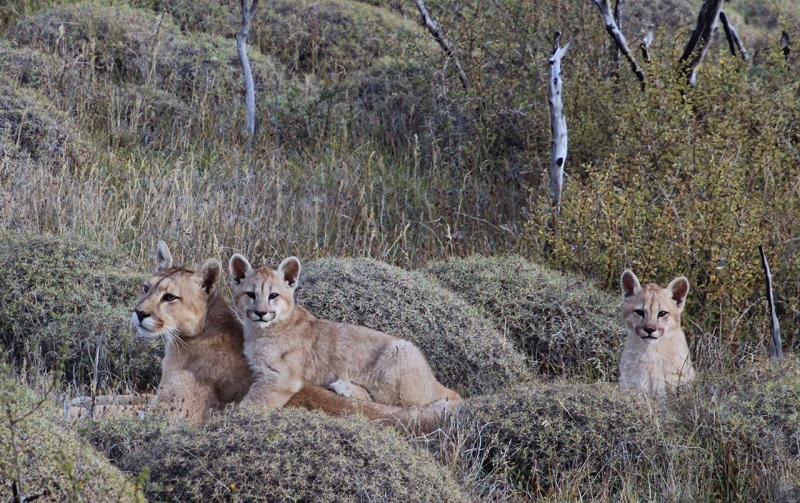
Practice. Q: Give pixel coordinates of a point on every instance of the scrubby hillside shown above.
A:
(563, 325)
(122, 123)
(42, 460)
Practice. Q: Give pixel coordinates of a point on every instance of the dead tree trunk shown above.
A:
(558, 122)
(438, 35)
(701, 37)
(775, 347)
(247, 72)
(618, 38)
(734, 42)
(647, 40)
(786, 45)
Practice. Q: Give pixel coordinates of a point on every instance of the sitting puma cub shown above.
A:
(655, 356)
(285, 345)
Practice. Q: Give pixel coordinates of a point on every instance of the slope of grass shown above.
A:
(565, 326)
(289, 455)
(41, 459)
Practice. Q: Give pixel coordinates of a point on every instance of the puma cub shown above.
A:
(285, 345)
(655, 356)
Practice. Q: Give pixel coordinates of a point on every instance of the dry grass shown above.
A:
(290, 455)
(121, 123)
(562, 324)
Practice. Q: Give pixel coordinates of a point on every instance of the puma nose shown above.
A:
(260, 314)
(649, 330)
(141, 315)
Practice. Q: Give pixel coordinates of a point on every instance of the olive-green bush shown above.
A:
(67, 303)
(289, 455)
(562, 323)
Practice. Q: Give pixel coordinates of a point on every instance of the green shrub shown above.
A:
(467, 354)
(43, 459)
(116, 438)
(698, 180)
(562, 323)
(289, 455)
(68, 302)
(747, 425)
(570, 442)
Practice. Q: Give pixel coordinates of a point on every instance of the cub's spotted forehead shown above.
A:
(651, 293)
(264, 273)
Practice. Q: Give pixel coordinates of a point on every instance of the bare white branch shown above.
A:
(617, 36)
(438, 35)
(244, 60)
(558, 122)
(701, 38)
(732, 36)
(775, 345)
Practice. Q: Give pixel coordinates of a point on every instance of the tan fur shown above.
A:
(204, 367)
(286, 345)
(655, 357)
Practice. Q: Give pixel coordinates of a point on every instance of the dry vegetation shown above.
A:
(122, 122)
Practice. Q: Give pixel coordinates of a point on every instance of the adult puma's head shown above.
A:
(173, 301)
(650, 311)
(264, 295)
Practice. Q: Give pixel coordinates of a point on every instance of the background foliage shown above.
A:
(121, 123)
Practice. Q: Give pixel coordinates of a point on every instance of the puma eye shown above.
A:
(273, 296)
(639, 312)
(252, 295)
(168, 297)
(145, 288)
(661, 314)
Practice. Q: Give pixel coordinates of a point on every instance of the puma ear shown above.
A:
(679, 289)
(239, 267)
(290, 270)
(163, 256)
(209, 272)
(629, 284)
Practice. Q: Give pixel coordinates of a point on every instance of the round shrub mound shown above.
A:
(155, 78)
(569, 441)
(329, 37)
(746, 422)
(54, 464)
(31, 127)
(117, 437)
(562, 323)
(68, 302)
(466, 353)
(289, 455)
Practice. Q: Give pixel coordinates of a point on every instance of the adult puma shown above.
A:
(655, 356)
(286, 345)
(204, 367)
